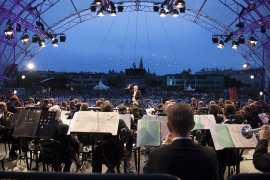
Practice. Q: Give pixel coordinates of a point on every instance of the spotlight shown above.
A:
(23, 76)
(49, 36)
(113, 12)
(253, 76)
(251, 45)
(261, 93)
(100, 13)
(253, 40)
(162, 13)
(241, 40)
(35, 38)
(120, 8)
(18, 28)
(98, 3)
(215, 38)
(156, 8)
(55, 43)
(25, 38)
(15, 91)
(9, 33)
(62, 37)
(26, 42)
(263, 30)
(220, 44)
(235, 44)
(30, 66)
(42, 43)
(240, 25)
(180, 4)
(245, 65)
(93, 8)
(175, 13)
(40, 24)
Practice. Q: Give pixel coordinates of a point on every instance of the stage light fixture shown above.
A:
(93, 8)
(252, 40)
(40, 24)
(23, 76)
(100, 13)
(235, 44)
(182, 9)
(241, 40)
(62, 37)
(179, 3)
(35, 38)
(162, 13)
(42, 43)
(263, 30)
(156, 8)
(9, 33)
(15, 92)
(220, 44)
(113, 13)
(215, 38)
(55, 43)
(251, 45)
(253, 76)
(245, 65)
(49, 36)
(120, 8)
(18, 28)
(30, 66)
(175, 13)
(261, 93)
(25, 38)
(98, 3)
(240, 25)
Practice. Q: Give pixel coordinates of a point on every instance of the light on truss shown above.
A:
(30, 65)
(113, 12)
(9, 33)
(120, 8)
(62, 37)
(35, 38)
(156, 8)
(100, 13)
(25, 38)
(235, 44)
(42, 43)
(180, 4)
(253, 76)
(162, 13)
(23, 76)
(215, 38)
(263, 30)
(18, 28)
(55, 43)
(245, 65)
(253, 40)
(98, 3)
(175, 13)
(220, 44)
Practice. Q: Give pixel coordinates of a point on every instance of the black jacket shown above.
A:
(185, 159)
(261, 157)
(137, 96)
(219, 119)
(11, 107)
(250, 119)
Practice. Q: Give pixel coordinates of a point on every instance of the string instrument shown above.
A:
(2, 97)
(241, 112)
(76, 159)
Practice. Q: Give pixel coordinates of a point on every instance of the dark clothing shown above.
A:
(261, 158)
(229, 122)
(185, 159)
(72, 113)
(219, 119)
(137, 96)
(44, 108)
(11, 107)
(250, 119)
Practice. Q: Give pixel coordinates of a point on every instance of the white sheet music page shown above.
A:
(238, 139)
(263, 118)
(107, 122)
(127, 119)
(163, 129)
(207, 120)
(149, 111)
(85, 121)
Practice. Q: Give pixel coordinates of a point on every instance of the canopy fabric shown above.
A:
(189, 89)
(101, 86)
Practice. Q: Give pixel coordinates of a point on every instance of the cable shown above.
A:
(136, 37)
(124, 40)
(105, 38)
(148, 36)
(168, 39)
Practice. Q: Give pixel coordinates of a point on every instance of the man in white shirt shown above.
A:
(135, 94)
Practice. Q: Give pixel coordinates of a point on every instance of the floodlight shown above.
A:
(113, 12)
(245, 65)
(215, 38)
(30, 66)
(55, 43)
(15, 91)
(62, 37)
(241, 40)
(120, 8)
(235, 44)
(253, 40)
(156, 8)
(253, 76)
(98, 3)
(25, 38)
(35, 38)
(9, 33)
(93, 8)
(220, 44)
(40, 24)
(240, 25)
(23, 76)
(162, 13)
(175, 13)
(42, 43)
(180, 3)
(100, 13)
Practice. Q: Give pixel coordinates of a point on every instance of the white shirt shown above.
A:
(133, 98)
(176, 138)
(227, 120)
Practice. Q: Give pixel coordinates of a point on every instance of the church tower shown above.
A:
(141, 64)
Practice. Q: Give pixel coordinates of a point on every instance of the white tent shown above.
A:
(189, 89)
(100, 86)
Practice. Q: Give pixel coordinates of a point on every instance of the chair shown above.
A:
(251, 176)
(110, 153)
(51, 153)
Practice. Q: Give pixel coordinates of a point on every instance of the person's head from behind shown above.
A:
(229, 109)
(193, 100)
(64, 103)
(200, 104)
(3, 107)
(135, 111)
(247, 109)
(228, 102)
(58, 112)
(13, 100)
(122, 109)
(107, 107)
(250, 101)
(84, 107)
(46, 102)
(76, 101)
(212, 102)
(78, 106)
(160, 106)
(180, 120)
(213, 109)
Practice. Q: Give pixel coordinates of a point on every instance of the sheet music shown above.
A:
(149, 116)
(238, 139)
(207, 120)
(264, 119)
(221, 136)
(103, 122)
(163, 129)
(127, 119)
(1, 115)
(148, 133)
(148, 111)
(66, 121)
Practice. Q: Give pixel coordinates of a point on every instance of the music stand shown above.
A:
(12, 121)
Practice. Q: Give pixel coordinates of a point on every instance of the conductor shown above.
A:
(135, 94)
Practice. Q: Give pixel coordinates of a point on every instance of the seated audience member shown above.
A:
(213, 109)
(7, 134)
(228, 102)
(72, 105)
(212, 102)
(250, 101)
(11, 106)
(108, 107)
(229, 110)
(77, 108)
(180, 156)
(261, 157)
(84, 107)
(248, 117)
(45, 106)
(68, 142)
(65, 106)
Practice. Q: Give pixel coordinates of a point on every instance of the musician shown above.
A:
(261, 157)
(228, 102)
(193, 104)
(30, 102)
(213, 109)
(212, 102)
(108, 107)
(11, 105)
(180, 156)
(200, 104)
(136, 112)
(221, 103)
(77, 108)
(18, 104)
(140, 109)
(248, 117)
(68, 142)
(84, 107)
(228, 110)
(76, 101)
(65, 106)
(45, 106)
(135, 94)
(52, 102)
(7, 135)
(250, 101)
(72, 105)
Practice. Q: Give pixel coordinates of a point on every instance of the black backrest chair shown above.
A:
(51, 153)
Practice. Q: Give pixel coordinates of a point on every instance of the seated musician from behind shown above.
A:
(77, 108)
(235, 105)
(76, 101)
(52, 102)
(213, 109)
(65, 106)
(261, 157)
(180, 156)
(68, 142)
(193, 103)
(221, 103)
(45, 106)
(212, 102)
(250, 101)
(72, 105)
(248, 117)
(229, 110)
(7, 134)
(228, 102)
(140, 109)
(84, 107)
(200, 104)
(136, 114)
(108, 107)
(11, 106)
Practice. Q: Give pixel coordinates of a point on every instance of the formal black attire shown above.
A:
(137, 96)
(261, 158)
(129, 141)
(185, 159)
(250, 120)
(11, 107)
(219, 119)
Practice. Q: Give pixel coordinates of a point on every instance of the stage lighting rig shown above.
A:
(35, 38)
(120, 8)
(253, 76)
(220, 44)
(156, 8)
(263, 93)
(180, 4)
(240, 25)
(215, 38)
(241, 40)
(100, 12)
(40, 25)
(55, 43)
(245, 65)
(49, 36)
(25, 38)
(112, 9)
(18, 28)
(9, 33)
(251, 7)
(93, 8)
(98, 3)
(62, 37)
(113, 12)
(162, 13)
(42, 43)
(263, 30)
(175, 13)
(252, 40)
(235, 44)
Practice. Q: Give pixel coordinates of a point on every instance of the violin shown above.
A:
(241, 112)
